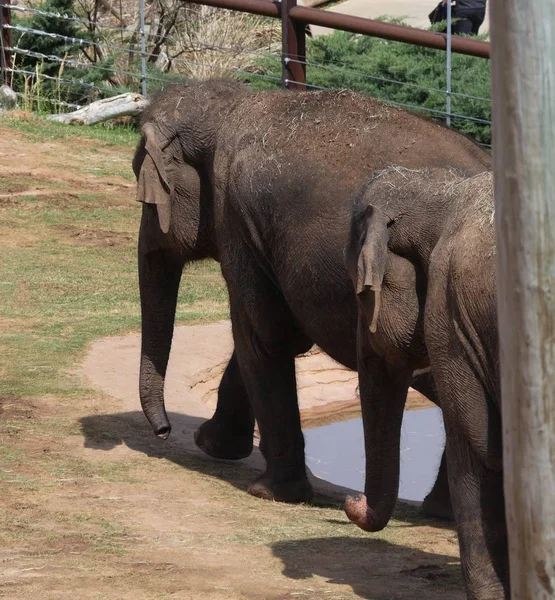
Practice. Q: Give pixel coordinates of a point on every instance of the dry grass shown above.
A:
(193, 40)
(215, 42)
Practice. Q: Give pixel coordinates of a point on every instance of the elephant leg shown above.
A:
(271, 383)
(383, 392)
(437, 504)
(476, 479)
(478, 504)
(229, 433)
(266, 337)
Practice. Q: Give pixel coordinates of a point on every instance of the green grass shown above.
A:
(61, 287)
(40, 129)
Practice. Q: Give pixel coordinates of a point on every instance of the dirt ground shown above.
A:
(93, 506)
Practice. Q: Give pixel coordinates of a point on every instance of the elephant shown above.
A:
(260, 182)
(421, 256)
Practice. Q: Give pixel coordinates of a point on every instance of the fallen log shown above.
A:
(8, 98)
(124, 105)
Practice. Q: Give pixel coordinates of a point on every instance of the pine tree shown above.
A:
(46, 44)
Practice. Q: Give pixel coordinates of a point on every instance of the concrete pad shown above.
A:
(415, 13)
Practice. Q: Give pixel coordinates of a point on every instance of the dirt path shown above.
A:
(106, 510)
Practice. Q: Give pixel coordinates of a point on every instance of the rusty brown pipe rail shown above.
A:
(388, 31)
(333, 20)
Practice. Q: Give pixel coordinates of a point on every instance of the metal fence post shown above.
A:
(143, 47)
(448, 64)
(293, 49)
(5, 42)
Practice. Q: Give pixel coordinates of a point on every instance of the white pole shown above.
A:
(523, 78)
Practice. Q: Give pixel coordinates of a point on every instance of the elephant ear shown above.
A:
(372, 263)
(152, 181)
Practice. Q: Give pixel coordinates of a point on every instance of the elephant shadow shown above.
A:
(108, 431)
(375, 569)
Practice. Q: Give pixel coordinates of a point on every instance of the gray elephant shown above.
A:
(260, 181)
(421, 255)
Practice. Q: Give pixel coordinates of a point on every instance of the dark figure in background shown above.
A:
(469, 16)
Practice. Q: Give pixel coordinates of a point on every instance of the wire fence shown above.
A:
(72, 60)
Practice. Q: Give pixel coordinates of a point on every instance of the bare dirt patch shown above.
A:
(97, 238)
(8, 187)
(8, 200)
(13, 406)
(84, 168)
(107, 510)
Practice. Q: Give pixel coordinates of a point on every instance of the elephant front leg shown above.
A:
(383, 391)
(229, 433)
(271, 385)
(437, 504)
(264, 336)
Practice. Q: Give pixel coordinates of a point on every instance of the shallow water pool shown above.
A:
(336, 452)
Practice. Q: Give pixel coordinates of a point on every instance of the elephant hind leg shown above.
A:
(229, 433)
(437, 504)
(266, 339)
(475, 480)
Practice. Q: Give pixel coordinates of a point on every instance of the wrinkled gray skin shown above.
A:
(421, 255)
(261, 182)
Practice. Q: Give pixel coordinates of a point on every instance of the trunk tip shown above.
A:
(364, 516)
(163, 432)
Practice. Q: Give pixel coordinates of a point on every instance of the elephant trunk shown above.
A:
(159, 279)
(151, 392)
(382, 413)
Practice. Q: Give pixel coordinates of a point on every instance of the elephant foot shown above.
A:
(219, 440)
(437, 508)
(294, 492)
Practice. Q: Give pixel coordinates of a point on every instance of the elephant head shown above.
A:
(172, 165)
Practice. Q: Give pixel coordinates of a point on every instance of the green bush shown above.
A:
(45, 44)
(383, 69)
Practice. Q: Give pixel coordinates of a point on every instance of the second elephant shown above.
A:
(422, 259)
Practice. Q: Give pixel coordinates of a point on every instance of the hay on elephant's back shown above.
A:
(473, 195)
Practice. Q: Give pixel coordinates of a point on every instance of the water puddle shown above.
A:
(336, 452)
